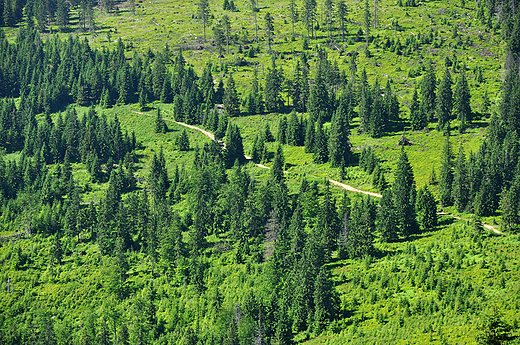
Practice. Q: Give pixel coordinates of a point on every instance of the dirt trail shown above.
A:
(337, 183)
(487, 226)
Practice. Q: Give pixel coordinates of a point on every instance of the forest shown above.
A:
(244, 172)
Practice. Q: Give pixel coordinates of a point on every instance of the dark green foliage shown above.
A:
(404, 196)
(444, 101)
(426, 208)
(295, 133)
(278, 165)
(230, 99)
(320, 145)
(460, 188)
(234, 146)
(377, 113)
(510, 204)
(494, 330)
(368, 160)
(325, 301)
(462, 99)
(446, 175)
(386, 218)
(310, 134)
(158, 179)
(183, 141)
(254, 102)
(282, 130)
(428, 89)
(160, 124)
(273, 89)
(418, 116)
(361, 229)
(339, 143)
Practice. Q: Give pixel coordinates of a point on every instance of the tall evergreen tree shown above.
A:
(386, 218)
(428, 89)
(417, 115)
(460, 190)
(444, 101)
(426, 208)
(320, 147)
(273, 89)
(278, 164)
(446, 174)
(269, 29)
(234, 145)
(339, 143)
(203, 11)
(230, 99)
(404, 196)
(462, 102)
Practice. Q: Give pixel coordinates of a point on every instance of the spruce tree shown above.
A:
(310, 134)
(510, 205)
(230, 99)
(321, 150)
(294, 130)
(273, 89)
(234, 145)
(444, 101)
(446, 174)
(278, 164)
(404, 196)
(339, 143)
(462, 98)
(183, 141)
(386, 218)
(426, 208)
(428, 89)
(376, 121)
(460, 190)
(282, 130)
(160, 124)
(417, 116)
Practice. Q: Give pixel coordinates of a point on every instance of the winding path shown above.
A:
(334, 182)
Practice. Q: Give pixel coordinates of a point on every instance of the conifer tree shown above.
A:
(310, 133)
(342, 14)
(339, 143)
(404, 196)
(294, 130)
(293, 14)
(446, 174)
(428, 89)
(426, 208)
(417, 116)
(320, 147)
(460, 190)
(510, 205)
(376, 115)
(166, 92)
(386, 218)
(278, 164)
(462, 102)
(230, 99)
(269, 29)
(282, 130)
(204, 14)
(183, 141)
(160, 124)
(273, 89)
(324, 300)
(234, 145)
(361, 235)
(444, 101)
